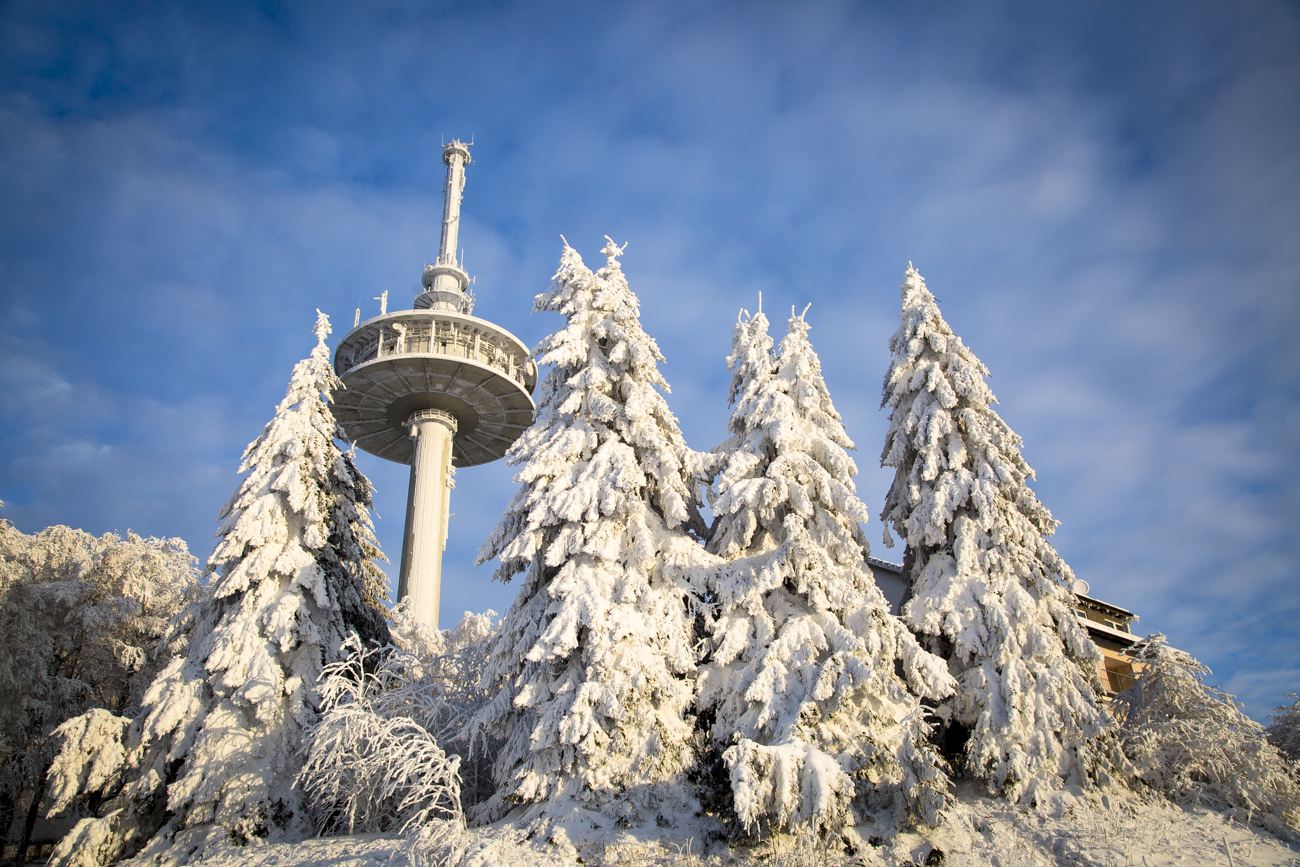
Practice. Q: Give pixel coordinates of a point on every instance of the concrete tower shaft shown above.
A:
(427, 511)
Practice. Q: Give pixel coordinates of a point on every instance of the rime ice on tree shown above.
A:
(219, 734)
(83, 624)
(801, 676)
(988, 591)
(592, 661)
(1284, 730)
(1191, 742)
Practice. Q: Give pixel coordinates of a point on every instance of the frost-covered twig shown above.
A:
(1284, 731)
(369, 768)
(1192, 742)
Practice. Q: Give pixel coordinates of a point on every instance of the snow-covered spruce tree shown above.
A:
(988, 592)
(1284, 730)
(82, 619)
(1191, 741)
(801, 681)
(591, 665)
(742, 459)
(212, 756)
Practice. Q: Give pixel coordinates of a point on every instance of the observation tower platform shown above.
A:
(436, 388)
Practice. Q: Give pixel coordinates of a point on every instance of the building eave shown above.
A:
(1104, 607)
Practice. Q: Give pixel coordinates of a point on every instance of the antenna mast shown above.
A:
(445, 281)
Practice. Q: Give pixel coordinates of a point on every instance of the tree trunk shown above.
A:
(30, 824)
(909, 563)
(6, 820)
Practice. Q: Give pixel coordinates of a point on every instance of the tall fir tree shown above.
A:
(987, 590)
(801, 682)
(742, 459)
(211, 758)
(592, 663)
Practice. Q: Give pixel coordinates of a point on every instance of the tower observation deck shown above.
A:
(437, 388)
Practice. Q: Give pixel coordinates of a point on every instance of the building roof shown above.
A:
(885, 564)
(1104, 607)
(1099, 629)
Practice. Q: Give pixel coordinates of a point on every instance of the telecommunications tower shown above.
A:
(436, 388)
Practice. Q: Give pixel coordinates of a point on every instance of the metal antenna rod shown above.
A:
(456, 156)
(445, 281)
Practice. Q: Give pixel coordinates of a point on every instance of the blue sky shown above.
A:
(1105, 197)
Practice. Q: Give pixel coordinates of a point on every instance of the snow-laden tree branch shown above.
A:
(1284, 730)
(82, 619)
(1192, 742)
(369, 768)
(390, 752)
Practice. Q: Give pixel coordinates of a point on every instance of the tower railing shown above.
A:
(424, 333)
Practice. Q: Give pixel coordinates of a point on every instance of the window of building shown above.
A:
(1119, 674)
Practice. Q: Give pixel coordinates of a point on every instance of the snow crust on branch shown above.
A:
(803, 650)
(1284, 730)
(1191, 741)
(988, 591)
(391, 750)
(217, 743)
(370, 766)
(592, 664)
(438, 683)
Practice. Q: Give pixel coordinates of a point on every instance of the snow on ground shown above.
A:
(362, 850)
(1107, 831)
(1070, 831)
